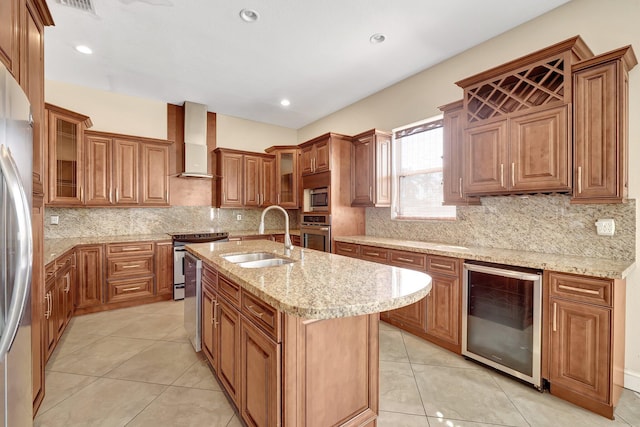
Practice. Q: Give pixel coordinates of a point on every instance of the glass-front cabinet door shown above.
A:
(65, 131)
(286, 176)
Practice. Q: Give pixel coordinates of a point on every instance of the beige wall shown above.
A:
(111, 112)
(604, 25)
(241, 134)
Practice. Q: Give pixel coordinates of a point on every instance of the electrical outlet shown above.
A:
(606, 227)
(55, 219)
(239, 217)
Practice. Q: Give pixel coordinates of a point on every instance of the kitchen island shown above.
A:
(297, 344)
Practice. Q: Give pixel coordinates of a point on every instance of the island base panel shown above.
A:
(331, 372)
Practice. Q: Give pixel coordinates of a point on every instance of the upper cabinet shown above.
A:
(601, 121)
(316, 155)
(244, 179)
(287, 175)
(517, 137)
(453, 130)
(371, 169)
(65, 152)
(108, 169)
(9, 15)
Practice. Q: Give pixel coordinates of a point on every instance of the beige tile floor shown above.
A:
(134, 367)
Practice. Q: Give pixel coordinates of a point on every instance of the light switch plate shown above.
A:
(55, 219)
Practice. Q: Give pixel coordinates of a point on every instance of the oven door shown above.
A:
(316, 237)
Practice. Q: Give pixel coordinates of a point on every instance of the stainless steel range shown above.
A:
(179, 241)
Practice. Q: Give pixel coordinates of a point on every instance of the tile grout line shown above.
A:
(413, 373)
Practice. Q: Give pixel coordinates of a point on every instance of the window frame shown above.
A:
(408, 130)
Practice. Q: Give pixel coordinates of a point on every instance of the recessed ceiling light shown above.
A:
(84, 49)
(377, 38)
(285, 102)
(249, 15)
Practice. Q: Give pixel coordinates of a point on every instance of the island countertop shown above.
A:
(317, 285)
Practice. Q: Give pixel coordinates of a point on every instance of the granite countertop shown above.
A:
(318, 285)
(596, 267)
(53, 248)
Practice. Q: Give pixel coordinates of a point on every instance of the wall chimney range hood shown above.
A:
(195, 141)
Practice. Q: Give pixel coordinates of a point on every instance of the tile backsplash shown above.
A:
(538, 223)
(88, 222)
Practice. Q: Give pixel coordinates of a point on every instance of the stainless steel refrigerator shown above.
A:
(16, 254)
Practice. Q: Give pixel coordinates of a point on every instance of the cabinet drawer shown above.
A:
(229, 289)
(581, 288)
(129, 248)
(261, 314)
(209, 277)
(347, 249)
(443, 265)
(130, 266)
(50, 270)
(66, 261)
(123, 290)
(411, 260)
(372, 253)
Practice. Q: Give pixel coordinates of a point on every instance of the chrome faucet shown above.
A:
(287, 238)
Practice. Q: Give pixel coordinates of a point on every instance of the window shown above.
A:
(417, 177)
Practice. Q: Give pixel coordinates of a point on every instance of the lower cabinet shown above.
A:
(90, 276)
(330, 366)
(228, 335)
(585, 340)
(58, 299)
(164, 268)
(260, 377)
(437, 317)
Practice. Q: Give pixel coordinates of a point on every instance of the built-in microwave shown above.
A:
(316, 199)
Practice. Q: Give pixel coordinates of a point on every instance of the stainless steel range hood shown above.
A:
(195, 141)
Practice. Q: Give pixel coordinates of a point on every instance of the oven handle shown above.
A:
(501, 272)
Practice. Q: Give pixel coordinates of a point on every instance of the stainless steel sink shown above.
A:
(253, 256)
(273, 262)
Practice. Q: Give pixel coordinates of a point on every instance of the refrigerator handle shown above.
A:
(24, 254)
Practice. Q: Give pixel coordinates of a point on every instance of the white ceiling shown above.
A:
(314, 52)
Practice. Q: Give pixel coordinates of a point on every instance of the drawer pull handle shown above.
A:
(579, 290)
(47, 298)
(254, 312)
(131, 248)
(131, 289)
(406, 259)
(555, 317)
(131, 266)
(372, 253)
(347, 249)
(502, 175)
(435, 265)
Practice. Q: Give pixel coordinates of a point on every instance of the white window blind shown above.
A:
(418, 172)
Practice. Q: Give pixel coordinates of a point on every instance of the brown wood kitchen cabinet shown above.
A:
(584, 356)
(64, 129)
(229, 181)
(22, 24)
(90, 287)
(209, 317)
(315, 155)
(437, 317)
(130, 273)
(601, 126)
(371, 169)
(9, 41)
(452, 157)
(287, 176)
(164, 268)
(124, 170)
(245, 179)
(58, 299)
(517, 134)
(259, 180)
